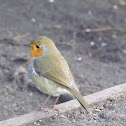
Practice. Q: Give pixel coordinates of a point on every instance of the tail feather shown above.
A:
(79, 98)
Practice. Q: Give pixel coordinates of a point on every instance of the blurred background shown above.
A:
(90, 34)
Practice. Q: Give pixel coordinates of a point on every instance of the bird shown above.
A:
(50, 72)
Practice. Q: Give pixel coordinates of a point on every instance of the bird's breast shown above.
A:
(45, 85)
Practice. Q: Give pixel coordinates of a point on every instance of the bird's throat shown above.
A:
(34, 53)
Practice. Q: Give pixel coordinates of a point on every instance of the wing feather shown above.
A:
(55, 68)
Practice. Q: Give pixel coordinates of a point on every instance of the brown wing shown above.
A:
(55, 69)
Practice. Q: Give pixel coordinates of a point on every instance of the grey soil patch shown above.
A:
(97, 59)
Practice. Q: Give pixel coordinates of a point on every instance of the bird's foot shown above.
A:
(42, 108)
(54, 108)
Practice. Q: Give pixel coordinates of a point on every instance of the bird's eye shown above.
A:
(37, 46)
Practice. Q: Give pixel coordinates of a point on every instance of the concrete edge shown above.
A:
(112, 92)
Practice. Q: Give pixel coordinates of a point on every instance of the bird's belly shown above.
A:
(47, 86)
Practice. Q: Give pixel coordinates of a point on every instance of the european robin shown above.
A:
(50, 72)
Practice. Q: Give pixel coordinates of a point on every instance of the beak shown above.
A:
(27, 45)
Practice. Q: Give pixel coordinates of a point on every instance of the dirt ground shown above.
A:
(111, 113)
(97, 58)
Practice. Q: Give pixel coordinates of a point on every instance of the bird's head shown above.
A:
(41, 46)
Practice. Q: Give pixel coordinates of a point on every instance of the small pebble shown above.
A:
(35, 123)
(31, 94)
(40, 120)
(51, 1)
(90, 54)
(92, 43)
(124, 51)
(115, 7)
(62, 116)
(79, 58)
(103, 44)
(33, 20)
(114, 36)
(97, 110)
(87, 30)
(90, 12)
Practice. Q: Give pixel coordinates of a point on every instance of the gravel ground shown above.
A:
(97, 59)
(111, 112)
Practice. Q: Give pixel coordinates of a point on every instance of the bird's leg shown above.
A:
(45, 101)
(56, 101)
(53, 106)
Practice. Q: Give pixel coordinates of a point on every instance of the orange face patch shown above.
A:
(35, 49)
